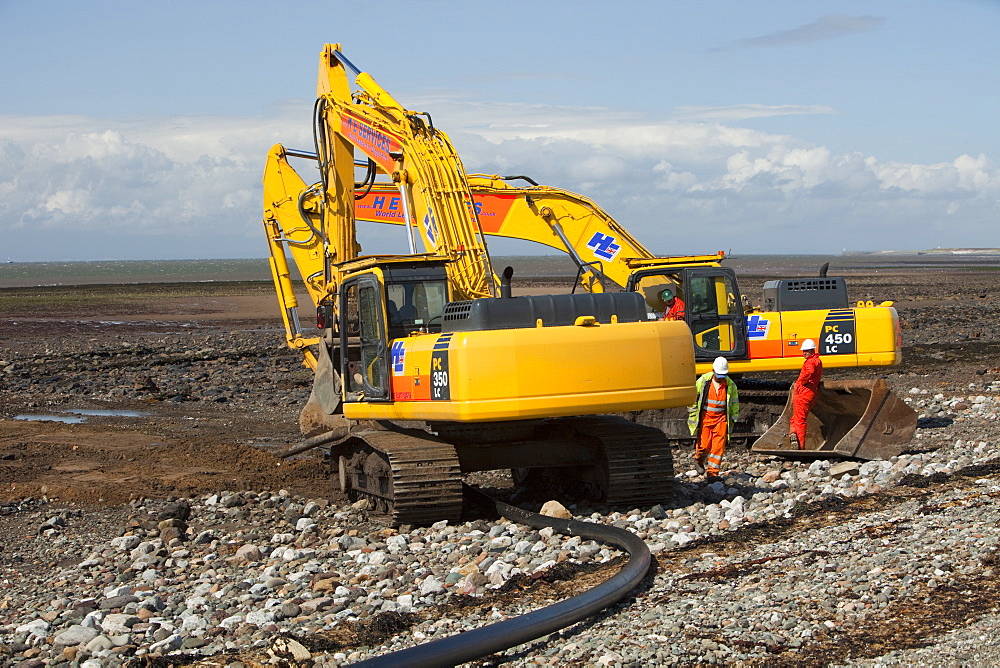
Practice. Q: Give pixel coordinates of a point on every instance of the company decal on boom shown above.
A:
(604, 246)
(371, 140)
(431, 228)
(380, 207)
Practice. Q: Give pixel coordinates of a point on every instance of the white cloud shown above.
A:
(678, 185)
(164, 176)
(673, 179)
(684, 186)
(739, 112)
(74, 202)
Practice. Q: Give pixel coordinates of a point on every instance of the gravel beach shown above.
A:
(168, 533)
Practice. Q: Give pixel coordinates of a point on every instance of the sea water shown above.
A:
(31, 274)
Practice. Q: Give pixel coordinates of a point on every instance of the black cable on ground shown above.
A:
(487, 640)
(314, 442)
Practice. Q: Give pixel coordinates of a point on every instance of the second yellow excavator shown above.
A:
(849, 335)
(752, 340)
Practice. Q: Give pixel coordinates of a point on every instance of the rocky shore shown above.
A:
(261, 573)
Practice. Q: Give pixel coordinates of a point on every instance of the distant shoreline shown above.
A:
(932, 251)
(528, 268)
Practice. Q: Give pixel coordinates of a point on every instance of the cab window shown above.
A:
(415, 306)
(652, 286)
(713, 309)
(372, 345)
(365, 361)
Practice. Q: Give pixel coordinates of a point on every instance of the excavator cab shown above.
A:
(715, 313)
(378, 306)
(713, 308)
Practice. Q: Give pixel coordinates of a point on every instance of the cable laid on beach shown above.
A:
(509, 633)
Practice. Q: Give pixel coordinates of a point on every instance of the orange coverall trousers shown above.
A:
(804, 396)
(712, 442)
(802, 403)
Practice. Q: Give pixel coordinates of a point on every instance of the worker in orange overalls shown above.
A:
(715, 409)
(674, 305)
(804, 393)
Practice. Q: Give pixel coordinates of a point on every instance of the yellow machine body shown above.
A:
(852, 337)
(518, 374)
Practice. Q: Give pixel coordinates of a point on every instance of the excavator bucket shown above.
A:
(857, 419)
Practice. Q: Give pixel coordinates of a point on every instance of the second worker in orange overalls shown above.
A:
(804, 394)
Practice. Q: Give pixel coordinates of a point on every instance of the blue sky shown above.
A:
(134, 130)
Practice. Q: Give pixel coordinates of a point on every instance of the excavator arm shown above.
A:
(314, 225)
(287, 223)
(428, 179)
(420, 160)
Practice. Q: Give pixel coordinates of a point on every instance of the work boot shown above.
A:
(699, 467)
(794, 441)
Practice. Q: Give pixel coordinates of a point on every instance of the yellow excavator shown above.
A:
(722, 323)
(425, 366)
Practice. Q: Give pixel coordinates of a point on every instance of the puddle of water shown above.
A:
(105, 413)
(79, 415)
(69, 419)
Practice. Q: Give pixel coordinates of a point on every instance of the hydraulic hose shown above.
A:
(487, 640)
(368, 182)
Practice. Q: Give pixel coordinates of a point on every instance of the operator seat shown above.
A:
(393, 312)
(407, 314)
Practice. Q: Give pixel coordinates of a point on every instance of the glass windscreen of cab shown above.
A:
(364, 364)
(713, 311)
(415, 306)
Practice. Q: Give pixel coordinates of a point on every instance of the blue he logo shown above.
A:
(757, 327)
(604, 246)
(398, 354)
(430, 227)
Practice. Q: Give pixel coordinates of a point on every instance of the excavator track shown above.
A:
(411, 477)
(638, 464)
(629, 464)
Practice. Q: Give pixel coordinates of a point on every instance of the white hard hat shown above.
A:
(720, 366)
(808, 344)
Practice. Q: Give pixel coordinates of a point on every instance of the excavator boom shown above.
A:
(565, 221)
